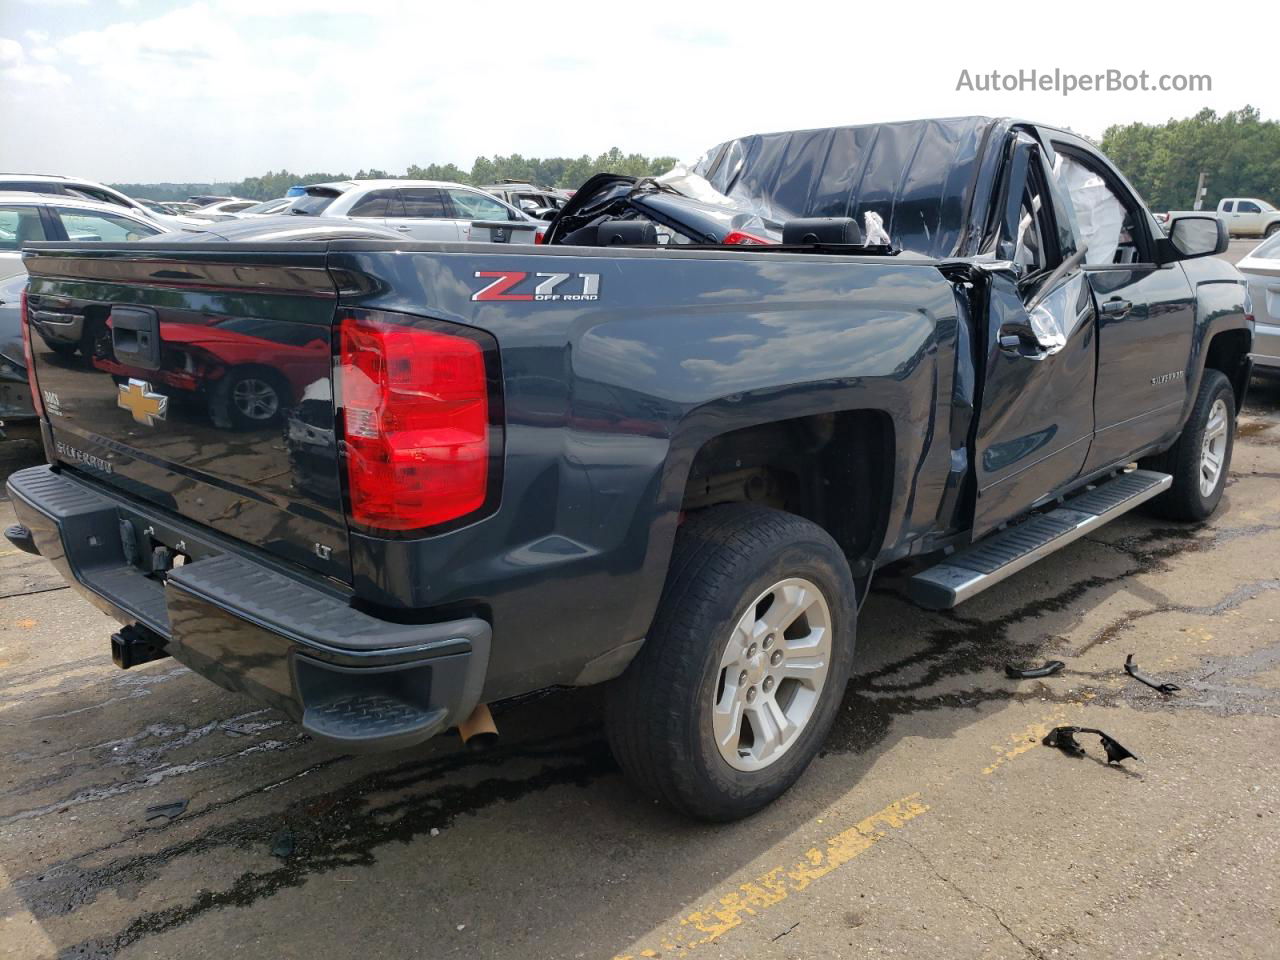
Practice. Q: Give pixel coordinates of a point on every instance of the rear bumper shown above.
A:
(246, 623)
(68, 330)
(1266, 346)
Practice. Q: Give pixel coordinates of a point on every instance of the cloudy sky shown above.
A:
(145, 90)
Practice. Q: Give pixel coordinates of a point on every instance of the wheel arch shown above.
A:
(1228, 351)
(835, 469)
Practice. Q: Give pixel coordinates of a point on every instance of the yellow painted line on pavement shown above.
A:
(1030, 737)
(749, 900)
(772, 887)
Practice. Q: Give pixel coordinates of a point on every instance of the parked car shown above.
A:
(204, 199)
(536, 202)
(674, 469)
(1244, 216)
(1261, 267)
(222, 209)
(267, 208)
(281, 230)
(16, 405)
(421, 209)
(76, 188)
(28, 217)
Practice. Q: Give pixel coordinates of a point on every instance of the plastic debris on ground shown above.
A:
(1064, 739)
(166, 811)
(1132, 670)
(1049, 668)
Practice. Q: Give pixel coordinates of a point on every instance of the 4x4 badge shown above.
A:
(137, 397)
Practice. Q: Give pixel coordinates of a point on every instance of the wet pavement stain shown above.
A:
(339, 829)
(967, 646)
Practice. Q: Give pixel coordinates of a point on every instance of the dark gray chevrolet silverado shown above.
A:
(379, 485)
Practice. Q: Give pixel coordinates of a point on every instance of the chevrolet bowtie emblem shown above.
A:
(146, 407)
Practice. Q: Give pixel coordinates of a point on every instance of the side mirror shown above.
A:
(1193, 236)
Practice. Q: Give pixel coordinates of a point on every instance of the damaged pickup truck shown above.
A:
(672, 467)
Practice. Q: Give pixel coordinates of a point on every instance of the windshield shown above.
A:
(1267, 250)
(313, 202)
(268, 206)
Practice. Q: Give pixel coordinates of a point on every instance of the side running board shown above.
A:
(984, 564)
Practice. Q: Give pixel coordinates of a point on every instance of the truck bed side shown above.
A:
(608, 400)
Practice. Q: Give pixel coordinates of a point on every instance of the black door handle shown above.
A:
(1017, 338)
(135, 337)
(1117, 308)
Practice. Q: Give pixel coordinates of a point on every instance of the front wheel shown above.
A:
(1201, 458)
(742, 673)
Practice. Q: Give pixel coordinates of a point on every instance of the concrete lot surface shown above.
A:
(935, 824)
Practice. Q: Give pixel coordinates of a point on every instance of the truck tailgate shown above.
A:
(199, 382)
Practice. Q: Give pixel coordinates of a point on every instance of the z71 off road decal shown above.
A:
(545, 286)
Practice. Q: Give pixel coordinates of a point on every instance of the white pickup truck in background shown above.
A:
(1244, 216)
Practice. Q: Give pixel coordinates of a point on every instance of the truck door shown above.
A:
(1036, 416)
(1246, 221)
(1146, 312)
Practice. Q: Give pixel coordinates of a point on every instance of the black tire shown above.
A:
(225, 412)
(1185, 500)
(1273, 229)
(62, 348)
(658, 713)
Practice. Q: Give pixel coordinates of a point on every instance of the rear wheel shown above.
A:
(744, 668)
(1200, 460)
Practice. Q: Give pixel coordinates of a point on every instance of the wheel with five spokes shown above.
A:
(745, 666)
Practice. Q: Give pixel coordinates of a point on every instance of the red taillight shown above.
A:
(540, 235)
(37, 401)
(742, 238)
(415, 409)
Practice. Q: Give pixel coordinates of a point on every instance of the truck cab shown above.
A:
(1249, 216)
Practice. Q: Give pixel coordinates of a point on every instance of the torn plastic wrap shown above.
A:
(914, 176)
(1099, 215)
(692, 185)
(873, 231)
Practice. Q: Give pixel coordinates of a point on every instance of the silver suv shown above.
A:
(421, 209)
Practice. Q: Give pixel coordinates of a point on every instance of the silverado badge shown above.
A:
(147, 407)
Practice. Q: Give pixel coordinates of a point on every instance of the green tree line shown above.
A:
(1239, 151)
(544, 171)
